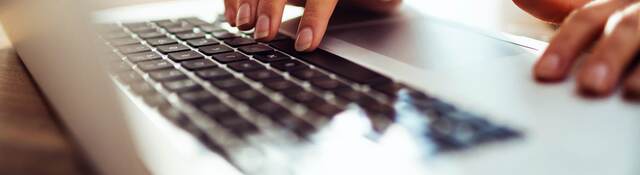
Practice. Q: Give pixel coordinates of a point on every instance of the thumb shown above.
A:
(550, 10)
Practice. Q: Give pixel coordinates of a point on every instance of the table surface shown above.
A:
(34, 141)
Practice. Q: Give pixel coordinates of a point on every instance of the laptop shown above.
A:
(171, 88)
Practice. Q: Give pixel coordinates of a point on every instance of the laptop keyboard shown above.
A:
(186, 68)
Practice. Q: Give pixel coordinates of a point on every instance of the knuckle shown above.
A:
(585, 15)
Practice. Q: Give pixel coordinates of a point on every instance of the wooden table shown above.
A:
(32, 139)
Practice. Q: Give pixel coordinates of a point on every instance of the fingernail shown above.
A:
(549, 65)
(262, 27)
(305, 37)
(244, 14)
(597, 77)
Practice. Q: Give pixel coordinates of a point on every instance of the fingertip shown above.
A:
(596, 80)
(243, 17)
(230, 15)
(304, 40)
(549, 68)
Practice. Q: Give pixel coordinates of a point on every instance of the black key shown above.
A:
(289, 65)
(194, 21)
(172, 48)
(249, 96)
(150, 35)
(300, 95)
(281, 85)
(245, 66)
(297, 125)
(235, 42)
(286, 46)
(215, 49)
(161, 41)
(241, 128)
(154, 65)
(173, 114)
(328, 84)
(202, 42)
(375, 107)
(255, 49)
(186, 55)
(182, 86)
(173, 24)
(218, 111)
(198, 64)
(210, 28)
(163, 22)
(229, 57)
(323, 108)
(230, 84)
(224, 35)
(145, 56)
(135, 24)
(129, 77)
(136, 48)
(180, 29)
(214, 74)
(269, 108)
(262, 75)
(343, 67)
(390, 89)
(308, 74)
(142, 88)
(167, 75)
(199, 97)
(349, 94)
(142, 29)
(270, 57)
(156, 100)
(189, 36)
(123, 41)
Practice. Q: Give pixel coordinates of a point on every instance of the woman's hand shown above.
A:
(609, 30)
(266, 16)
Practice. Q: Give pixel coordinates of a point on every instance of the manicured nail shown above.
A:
(305, 37)
(262, 27)
(597, 77)
(549, 65)
(244, 14)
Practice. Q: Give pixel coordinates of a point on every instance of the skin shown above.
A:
(266, 15)
(609, 30)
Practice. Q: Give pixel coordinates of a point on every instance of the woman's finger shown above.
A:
(550, 10)
(246, 17)
(576, 34)
(230, 7)
(269, 18)
(612, 54)
(313, 24)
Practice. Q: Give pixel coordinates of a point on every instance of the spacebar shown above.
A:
(333, 63)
